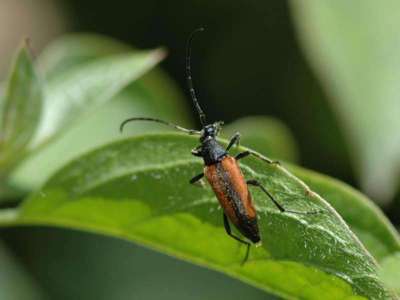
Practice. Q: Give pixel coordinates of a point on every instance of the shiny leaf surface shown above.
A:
(138, 190)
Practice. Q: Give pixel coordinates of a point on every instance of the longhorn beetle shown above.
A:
(222, 170)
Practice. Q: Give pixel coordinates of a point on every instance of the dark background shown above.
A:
(247, 62)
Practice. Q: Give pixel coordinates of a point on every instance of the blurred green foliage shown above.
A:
(15, 282)
(20, 111)
(251, 65)
(354, 48)
(389, 272)
(152, 94)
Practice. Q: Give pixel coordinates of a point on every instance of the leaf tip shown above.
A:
(25, 49)
(160, 53)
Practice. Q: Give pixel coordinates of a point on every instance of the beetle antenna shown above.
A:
(189, 77)
(188, 131)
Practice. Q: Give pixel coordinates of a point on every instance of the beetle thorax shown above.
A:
(212, 152)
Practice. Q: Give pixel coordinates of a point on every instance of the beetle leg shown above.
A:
(280, 207)
(242, 155)
(229, 232)
(256, 183)
(197, 151)
(257, 155)
(234, 141)
(196, 178)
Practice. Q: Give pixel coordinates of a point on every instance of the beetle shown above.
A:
(222, 170)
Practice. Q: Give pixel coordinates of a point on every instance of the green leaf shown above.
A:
(265, 135)
(85, 87)
(96, 129)
(75, 49)
(138, 190)
(366, 220)
(353, 46)
(390, 272)
(20, 110)
(153, 94)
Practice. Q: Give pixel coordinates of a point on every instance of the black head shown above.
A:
(211, 131)
(210, 150)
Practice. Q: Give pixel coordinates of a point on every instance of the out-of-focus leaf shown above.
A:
(75, 49)
(354, 47)
(366, 220)
(2, 100)
(71, 50)
(100, 127)
(9, 192)
(138, 190)
(85, 87)
(20, 110)
(390, 272)
(153, 94)
(265, 135)
(15, 283)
